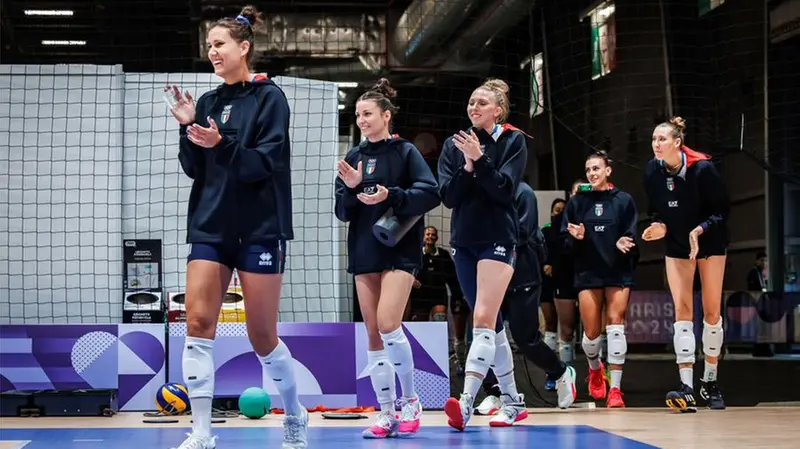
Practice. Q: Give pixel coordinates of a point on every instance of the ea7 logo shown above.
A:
(672, 204)
(599, 228)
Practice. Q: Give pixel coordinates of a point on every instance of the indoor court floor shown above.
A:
(752, 427)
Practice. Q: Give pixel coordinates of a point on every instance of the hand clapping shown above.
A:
(375, 198)
(350, 176)
(204, 137)
(625, 244)
(468, 144)
(576, 231)
(655, 231)
(184, 109)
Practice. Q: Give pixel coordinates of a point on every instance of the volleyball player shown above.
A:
(552, 237)
(521, 309)
(479, 171)
(689, 207)
(602, 228)
(563, 275)
(234, 144)
(385, 172)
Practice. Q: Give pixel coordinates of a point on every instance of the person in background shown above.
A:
(437, 276)
(547, 301)
(757, 277)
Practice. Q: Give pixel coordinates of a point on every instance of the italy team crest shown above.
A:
(670, 184)
(598, 209)
(371, 166)
(226, 113)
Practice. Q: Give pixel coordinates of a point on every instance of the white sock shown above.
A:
(551, 340)
(591, 348)
(710, 372)
(504, 366)
(201, 416)
(279, 365)
(616, 378)
(198, 375)
(687, 376)
(565, 352)
(382, 377)
(399, 351)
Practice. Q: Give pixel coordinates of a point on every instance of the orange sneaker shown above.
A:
(597, 383)
(615, 399)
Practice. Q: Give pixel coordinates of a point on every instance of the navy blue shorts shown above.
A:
(261, 258)
(466, 262)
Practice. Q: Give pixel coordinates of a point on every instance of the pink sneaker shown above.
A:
(385, 427)
(410, 414)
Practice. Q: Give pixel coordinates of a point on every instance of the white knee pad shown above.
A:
(481, 352)
(684, 342)
(591, 347)
(381, 373)
(198, 367)
(503, 357)
(399, 350)
(713, 338)
(617, 345)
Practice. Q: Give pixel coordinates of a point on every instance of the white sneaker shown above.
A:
(384, 427)
(489, 406)
(566, 388)
(513, 410)
(459, 411)
(295, 431)
(195, 442)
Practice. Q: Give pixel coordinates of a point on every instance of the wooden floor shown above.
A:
(753, 427)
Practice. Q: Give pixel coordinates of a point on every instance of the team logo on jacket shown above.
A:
(226, 113)
(598, 209)
(670, 184)
(371, 166)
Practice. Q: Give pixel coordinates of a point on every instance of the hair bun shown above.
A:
(384, 88)
(679, 123)
(250, 13)
(498, 85)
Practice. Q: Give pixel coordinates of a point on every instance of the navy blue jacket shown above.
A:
(696, 196)
(557, 256)
(396, 164)
(242, 186)
(531, 249)
(483, 201)
(607, 216)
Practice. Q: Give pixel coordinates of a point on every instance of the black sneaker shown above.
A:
(709, 391)
(682, 400)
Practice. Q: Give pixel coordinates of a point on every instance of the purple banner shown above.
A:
(747, 317)
(125, 357)
(330, 362)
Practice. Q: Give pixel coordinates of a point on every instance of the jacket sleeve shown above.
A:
(269, 154)
(501, 183)
(454, 182)
(422, 195)
(715, 196)
(528, 216)
(652, 210)
(190, 155)
(571, 244)
(629, 219)
(346, 205)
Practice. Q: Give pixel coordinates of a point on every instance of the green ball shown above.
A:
(254, 403)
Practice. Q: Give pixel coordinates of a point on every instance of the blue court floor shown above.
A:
(566, 437)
